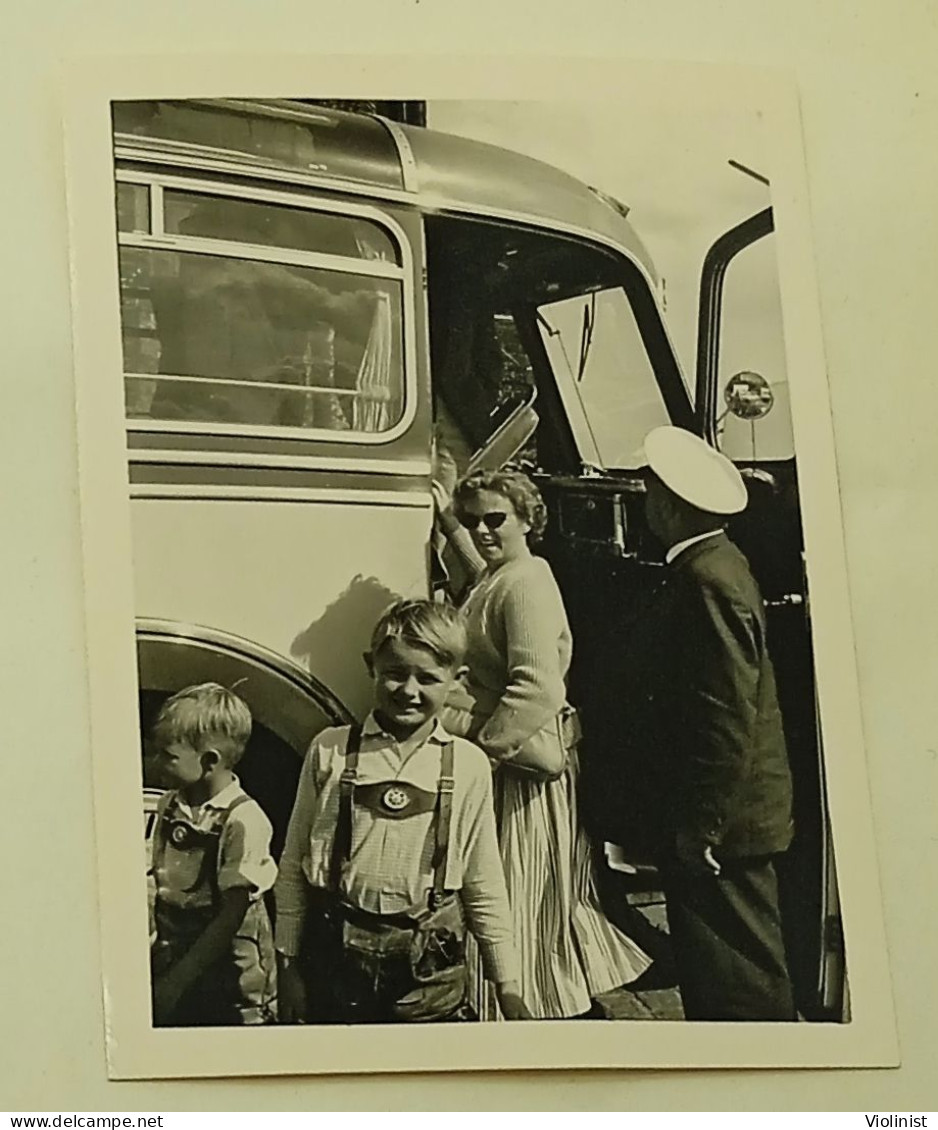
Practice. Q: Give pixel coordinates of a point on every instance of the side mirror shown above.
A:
(748, 396)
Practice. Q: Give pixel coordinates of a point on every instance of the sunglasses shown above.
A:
(491, 521)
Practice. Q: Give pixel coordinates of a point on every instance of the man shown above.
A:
(704, 774)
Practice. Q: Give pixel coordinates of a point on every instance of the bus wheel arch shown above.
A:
(288, 705)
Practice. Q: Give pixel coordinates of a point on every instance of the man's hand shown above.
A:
(291, 993)
(696, 854)
(510, 1002)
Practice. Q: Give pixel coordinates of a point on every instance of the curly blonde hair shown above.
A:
(512, 484)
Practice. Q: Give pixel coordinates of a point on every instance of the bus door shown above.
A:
(743, 410)
(550, 351)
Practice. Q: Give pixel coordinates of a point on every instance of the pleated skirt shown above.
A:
(570, 952)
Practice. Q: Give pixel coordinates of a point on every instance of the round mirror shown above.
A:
(749, 396)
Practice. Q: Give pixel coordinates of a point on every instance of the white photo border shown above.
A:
(134, 1049)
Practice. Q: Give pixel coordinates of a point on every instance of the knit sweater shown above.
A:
(518, 655)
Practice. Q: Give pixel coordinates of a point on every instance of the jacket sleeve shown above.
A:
(717, 688)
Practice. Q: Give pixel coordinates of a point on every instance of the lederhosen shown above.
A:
(240, 988)
(365, 968)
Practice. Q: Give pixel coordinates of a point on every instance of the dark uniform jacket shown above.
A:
(702, 750)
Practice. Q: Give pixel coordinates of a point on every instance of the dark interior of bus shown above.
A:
(486, 355)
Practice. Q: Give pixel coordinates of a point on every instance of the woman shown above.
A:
(519, 653)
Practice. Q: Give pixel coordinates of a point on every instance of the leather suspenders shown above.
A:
(183, 835)
(342, 839)
(443, 810)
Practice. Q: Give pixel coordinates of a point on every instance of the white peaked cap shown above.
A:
(694, 471)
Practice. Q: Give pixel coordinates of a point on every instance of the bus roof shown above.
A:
(443, 172)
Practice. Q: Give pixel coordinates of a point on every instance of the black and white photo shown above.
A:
(472, 526)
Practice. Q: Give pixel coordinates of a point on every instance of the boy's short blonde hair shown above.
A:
(423, 623)
(205, 716)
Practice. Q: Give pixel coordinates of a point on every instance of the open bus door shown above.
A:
(549, 350)
(742, 409)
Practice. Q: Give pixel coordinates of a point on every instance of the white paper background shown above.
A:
(870, 98)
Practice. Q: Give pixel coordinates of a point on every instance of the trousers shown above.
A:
(361, 968)
(728, 945)
(240, 988)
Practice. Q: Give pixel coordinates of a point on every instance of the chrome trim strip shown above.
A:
(170, 631)
(269, 108)
(200, 157)
(411, 468)
(260, 252)
(414, 500)
(197, 378)
(404, 152)
(245, 431)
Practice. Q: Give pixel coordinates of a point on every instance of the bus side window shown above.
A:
(255, 314)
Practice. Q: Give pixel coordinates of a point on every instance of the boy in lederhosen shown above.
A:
(391, 851)
(212, 962)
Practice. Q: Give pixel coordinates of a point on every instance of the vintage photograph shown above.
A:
(306, 352)
(475, 648)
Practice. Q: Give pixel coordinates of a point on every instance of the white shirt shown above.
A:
(391, 866)
(687, 543)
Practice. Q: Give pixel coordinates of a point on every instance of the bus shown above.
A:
(313, 304)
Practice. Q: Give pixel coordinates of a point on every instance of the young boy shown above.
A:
(391, 848)
(213, 961)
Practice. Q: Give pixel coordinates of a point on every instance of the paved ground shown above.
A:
(653, 1004)
(657, 1001)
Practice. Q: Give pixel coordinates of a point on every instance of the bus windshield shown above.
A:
(604, 375)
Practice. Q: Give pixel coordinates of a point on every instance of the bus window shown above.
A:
(604, 375)
(250, 222)
(251, 315)
(497, 378)
(481, 369)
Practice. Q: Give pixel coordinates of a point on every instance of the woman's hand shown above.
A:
(441, 496)
(291, 992)
(446, 518)
(510, 1002)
